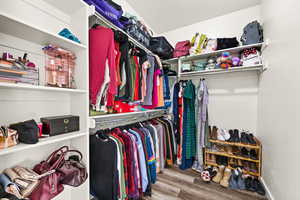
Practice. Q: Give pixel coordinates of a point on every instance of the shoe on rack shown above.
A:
(229, 150)
(259, 188)
(245, 152)
(253, 167)
(225, 180)
(236, 151)
(231, 139)
(236, 134)
(248, 183)
(253, 154)
(244, 138)
(214, 133)
(223, 135)
(219, 175)
(224, 160)
(250, 139)
(220, 135)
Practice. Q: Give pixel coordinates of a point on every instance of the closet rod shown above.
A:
(111, 25)
(112, 123)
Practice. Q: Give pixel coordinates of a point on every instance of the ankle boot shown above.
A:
(225, 180)
(231, 139)
(236, 136)
(214, 133)
(219, 175)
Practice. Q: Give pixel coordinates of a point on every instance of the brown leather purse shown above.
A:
(8, 137)
(73, 170)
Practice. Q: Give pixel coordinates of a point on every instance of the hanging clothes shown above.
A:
(102, 51)
(135, 154)
(202, 122)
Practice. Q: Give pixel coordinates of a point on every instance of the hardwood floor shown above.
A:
(175, 184)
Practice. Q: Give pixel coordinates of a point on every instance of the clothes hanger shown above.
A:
(95, 25)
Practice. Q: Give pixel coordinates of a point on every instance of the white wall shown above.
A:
(233, 97)
(229, 25)
(279, 99)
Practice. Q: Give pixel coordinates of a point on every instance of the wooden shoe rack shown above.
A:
(208, 154)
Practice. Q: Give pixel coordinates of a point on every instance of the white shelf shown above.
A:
(111, 25)
(18, 28)
(39, 88)
(42, 142)
(259, 68)
(214, 53)
(128, 114)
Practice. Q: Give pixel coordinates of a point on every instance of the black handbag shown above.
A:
(226, 43)
(28, 131)
(161, 47)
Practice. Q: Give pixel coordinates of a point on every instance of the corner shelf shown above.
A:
(18, 28)
(213, 53)
(258, 68)
(44, 141)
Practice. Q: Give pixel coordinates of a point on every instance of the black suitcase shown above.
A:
(161, 47)
(60, 124)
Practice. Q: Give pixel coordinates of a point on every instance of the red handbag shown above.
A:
(73, 170)
(50, 185)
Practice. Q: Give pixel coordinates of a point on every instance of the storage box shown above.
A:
(60, 124)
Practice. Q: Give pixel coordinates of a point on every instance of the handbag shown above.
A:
(28, 131)
(8, 137)
(73, 170)
(161, 47)
(182, 49)
(50, 185)
(26, 179)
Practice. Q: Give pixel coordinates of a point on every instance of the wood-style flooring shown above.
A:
(175, 184)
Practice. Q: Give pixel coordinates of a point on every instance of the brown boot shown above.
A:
(225, 180)
(219, 175)
(214, 133)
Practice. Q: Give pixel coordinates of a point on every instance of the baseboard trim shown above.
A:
(268, 191)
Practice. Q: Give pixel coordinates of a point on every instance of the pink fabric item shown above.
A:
(102, 48)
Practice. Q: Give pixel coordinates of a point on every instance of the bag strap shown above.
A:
(61, 150)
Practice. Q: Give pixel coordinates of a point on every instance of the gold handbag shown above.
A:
(26, 179)
(8, 137)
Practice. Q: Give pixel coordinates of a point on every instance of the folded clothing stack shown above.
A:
(18, 70)
(109, 9)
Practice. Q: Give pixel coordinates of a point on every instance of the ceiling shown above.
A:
(166, 15)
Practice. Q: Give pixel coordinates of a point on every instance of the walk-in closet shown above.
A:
(149, 100)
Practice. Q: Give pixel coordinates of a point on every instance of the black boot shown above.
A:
(231, 139)
(245, 152)
(253, 154)
(244, 138)
(236, 136)
(250, 139)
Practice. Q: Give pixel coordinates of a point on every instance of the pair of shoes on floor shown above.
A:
(236, 180)
(248, 138)
(249, 154)
(209, 173)
(234, 136)
(254, 185)
(223, 175)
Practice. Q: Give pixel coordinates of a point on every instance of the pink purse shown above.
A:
(182, 49)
